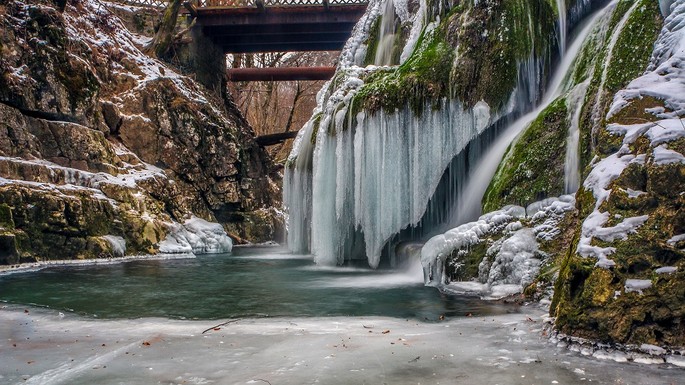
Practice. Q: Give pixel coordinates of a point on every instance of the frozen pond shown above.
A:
(290, 323)
(42, 347)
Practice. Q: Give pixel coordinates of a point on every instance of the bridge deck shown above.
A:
(279, 28)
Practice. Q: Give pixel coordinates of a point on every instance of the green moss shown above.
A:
(533, 168)
(423, 77)
(463, 264)
(315, 128)
(492, 39)
(498, 37)
(634, 46)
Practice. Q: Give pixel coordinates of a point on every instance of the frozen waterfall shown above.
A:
(357, 184)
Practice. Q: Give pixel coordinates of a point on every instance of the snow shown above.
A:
(196, 236)
(476, 350)
(676, 238)
(637, 285)
(621, 230)
(516, 262)
(652, 349)
(666, 270)
(663, 156)
(665, 77)
(634, 193)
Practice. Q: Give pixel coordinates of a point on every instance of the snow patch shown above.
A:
(637, 285)
(196, 236)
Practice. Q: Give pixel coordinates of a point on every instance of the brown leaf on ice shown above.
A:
(386, 331)
(146, 343)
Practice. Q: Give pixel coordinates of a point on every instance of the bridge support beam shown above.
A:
(280, 74)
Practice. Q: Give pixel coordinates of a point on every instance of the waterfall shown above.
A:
(563, 27)
(374, 180)
(572, 163)
(469, 207)
(386, 36)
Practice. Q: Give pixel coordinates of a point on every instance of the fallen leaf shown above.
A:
(386, 331)
(146, 343)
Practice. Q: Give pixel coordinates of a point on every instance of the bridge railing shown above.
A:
(275, 3)
(246, 3)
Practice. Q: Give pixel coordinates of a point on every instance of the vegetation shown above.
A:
(534, 167)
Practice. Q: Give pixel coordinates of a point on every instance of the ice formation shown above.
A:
(196, 236)
(512, 262)
(353, 183)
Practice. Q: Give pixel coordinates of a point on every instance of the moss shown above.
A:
(491, 40)
(315, 128)
(533, 168)
(424, 76)
(463, 264)
(634, 46)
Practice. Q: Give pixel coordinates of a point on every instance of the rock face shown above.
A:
(98, 139)
(623, 280)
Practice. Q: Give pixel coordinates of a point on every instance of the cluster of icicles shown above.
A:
(353, 183)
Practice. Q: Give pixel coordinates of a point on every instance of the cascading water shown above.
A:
(386, 35)
(572, 162)
(392, 176)
(481, 175)
(563, 27)
(469, 207)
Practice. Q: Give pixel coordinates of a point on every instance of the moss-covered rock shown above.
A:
(472, 55)
(533, 169)
(98, 140)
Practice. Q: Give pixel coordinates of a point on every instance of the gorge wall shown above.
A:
(105, 151)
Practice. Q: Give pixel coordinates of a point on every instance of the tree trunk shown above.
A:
(165, 34)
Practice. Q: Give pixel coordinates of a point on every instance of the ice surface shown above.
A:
(196, 236)
(44, 348)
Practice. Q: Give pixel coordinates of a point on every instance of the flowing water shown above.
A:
(250, 282)
(469, 206)
(386, 35)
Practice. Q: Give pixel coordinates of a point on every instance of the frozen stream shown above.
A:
(325, 326)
